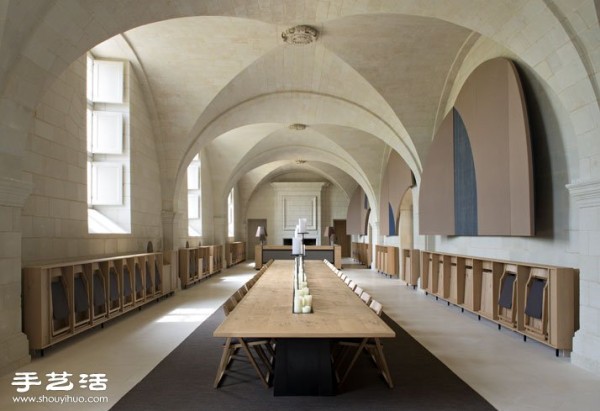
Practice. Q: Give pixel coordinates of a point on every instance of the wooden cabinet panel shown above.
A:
(410, 266)
(387, 260)
(66, 298)
(235, 252)
(540, 302)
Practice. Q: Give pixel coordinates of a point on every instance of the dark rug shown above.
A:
(184, 381)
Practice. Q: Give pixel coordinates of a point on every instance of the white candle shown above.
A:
(296, 246)
(302, 224)
(306, 309)
(305, 290)
(307, 300)
(297, 304)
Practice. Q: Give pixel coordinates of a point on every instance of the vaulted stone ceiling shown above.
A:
(387, 68)
(231, 86)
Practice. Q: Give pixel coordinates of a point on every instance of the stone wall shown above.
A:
(54, 218)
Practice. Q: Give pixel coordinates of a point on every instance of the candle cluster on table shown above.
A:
(302, 297)
(297, 241)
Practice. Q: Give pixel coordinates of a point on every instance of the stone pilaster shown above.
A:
(220, 230)
(168, 226)
(377, 238)
(586, 345)
(14, 346)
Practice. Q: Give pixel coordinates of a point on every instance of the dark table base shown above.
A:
(303, 367)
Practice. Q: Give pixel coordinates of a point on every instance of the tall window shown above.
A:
(107, 148)
(194, 198)
(230, 215)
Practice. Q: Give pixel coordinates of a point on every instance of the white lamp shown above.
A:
(261, 233)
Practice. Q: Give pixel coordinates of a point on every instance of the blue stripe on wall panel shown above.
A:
(391, 222)
(465, 183)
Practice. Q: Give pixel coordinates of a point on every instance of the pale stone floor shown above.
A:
(509, 373)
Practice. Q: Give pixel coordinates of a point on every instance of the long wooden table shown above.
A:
(266, 311)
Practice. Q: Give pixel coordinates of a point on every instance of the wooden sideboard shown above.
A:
(235, 252)
(410, 266)
(62, 299)
(196, 263)
(386, 260)
(361, 252)
(264, 253)
(538, 301)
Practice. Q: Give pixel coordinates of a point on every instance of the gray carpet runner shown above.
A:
(184, 381)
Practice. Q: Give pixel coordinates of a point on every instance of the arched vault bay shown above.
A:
(337, 153)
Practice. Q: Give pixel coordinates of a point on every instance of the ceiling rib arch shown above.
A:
(289, 153)
(282, 108)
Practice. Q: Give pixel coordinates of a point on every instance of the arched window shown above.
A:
(230, 214)
(194, 198)
(108, 151)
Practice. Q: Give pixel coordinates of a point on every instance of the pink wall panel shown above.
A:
(396, 180)
(483, 106)
(492, 107)
(354, 217)
(521, 167)
(436, 194)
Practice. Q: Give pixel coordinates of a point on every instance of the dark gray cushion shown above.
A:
(535, 298)
(193, 270)
(138, 278)
(99, 293)
(506, 292)
(126, 282)
(60, 305)
(156, 274)
(114, 285)
(81, 296)
(148, 278)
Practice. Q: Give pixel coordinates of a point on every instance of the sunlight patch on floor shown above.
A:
(186, 315)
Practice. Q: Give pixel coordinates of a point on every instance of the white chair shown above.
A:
(367, 299)
(358, 291)
(376, 307)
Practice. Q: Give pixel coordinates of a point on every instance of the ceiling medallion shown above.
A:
(300, 35)
(297, 126)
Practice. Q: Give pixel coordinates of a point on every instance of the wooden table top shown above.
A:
(266, 311)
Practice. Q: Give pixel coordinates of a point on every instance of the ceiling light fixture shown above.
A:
(300, 35)
(297, 126)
